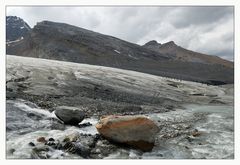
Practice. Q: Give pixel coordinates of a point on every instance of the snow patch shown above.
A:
(9, 42)
(129, 55)
(117, 51)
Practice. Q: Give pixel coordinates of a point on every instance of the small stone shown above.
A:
(189, 139)
(50, 143)
(66, 139)
(84, 125)
(96, 137)
(81, 150)
(51, 139)
(42, 140)
(31, 144)
(59, 146)
(196, 133)
(12, 150)
(72, 137)
(67, 145)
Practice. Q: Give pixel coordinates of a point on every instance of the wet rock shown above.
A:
(189, 138)
(40, 152)
(67, 145)
(103, 149)
(56, 125)
(11, 151)
(51, 139)
(84, 125)
(72, 137)
(50, 143)
(69, 115)
(136, 131)
(58, 146)
(196, 133)
(31, 144)
(34, 116)
(77, 148)
(42, 140)
(30, 104)
(88, 140)
(97, 137)
(82, 150)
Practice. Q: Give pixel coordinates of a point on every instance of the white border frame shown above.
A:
(234, 3)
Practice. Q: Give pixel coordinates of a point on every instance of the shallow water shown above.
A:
(26, 122)
(215, 142)
(29, 130)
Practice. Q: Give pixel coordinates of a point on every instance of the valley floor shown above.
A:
(195, 120)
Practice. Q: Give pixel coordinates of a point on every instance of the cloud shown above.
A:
(200, 15)
(204, 29)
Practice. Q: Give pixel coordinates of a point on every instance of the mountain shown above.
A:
(59, 41)
(16, 28)
(182, 54)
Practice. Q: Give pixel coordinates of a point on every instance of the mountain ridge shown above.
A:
(16, 28)
(60, 41)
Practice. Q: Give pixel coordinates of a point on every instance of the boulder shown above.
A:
(41, 140)
(137, 131)
(69, 115)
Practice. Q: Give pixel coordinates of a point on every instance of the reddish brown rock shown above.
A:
(41, 139)
(137, 131)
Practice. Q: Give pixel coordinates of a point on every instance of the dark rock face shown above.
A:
(152, 45)
(69, 115)
(16, 28)
(64, 42)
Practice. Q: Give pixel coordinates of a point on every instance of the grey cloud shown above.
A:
(200, 15)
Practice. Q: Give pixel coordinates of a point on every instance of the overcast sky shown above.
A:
(203, 29)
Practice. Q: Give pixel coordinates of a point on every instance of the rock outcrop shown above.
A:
(136, 131)
(16, 28)
(69, 115)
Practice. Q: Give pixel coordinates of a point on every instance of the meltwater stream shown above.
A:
(216, 133)
(26, 122)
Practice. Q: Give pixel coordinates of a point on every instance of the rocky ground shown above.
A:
(195, 120)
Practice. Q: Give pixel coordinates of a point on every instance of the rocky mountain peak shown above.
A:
(157, 47)
(16, 28)
(152, 43)
(169, 44)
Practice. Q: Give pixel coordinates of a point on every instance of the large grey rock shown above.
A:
(69, 115)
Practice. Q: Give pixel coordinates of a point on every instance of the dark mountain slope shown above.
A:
(182, 54)
(64, 42)
(16, 28)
